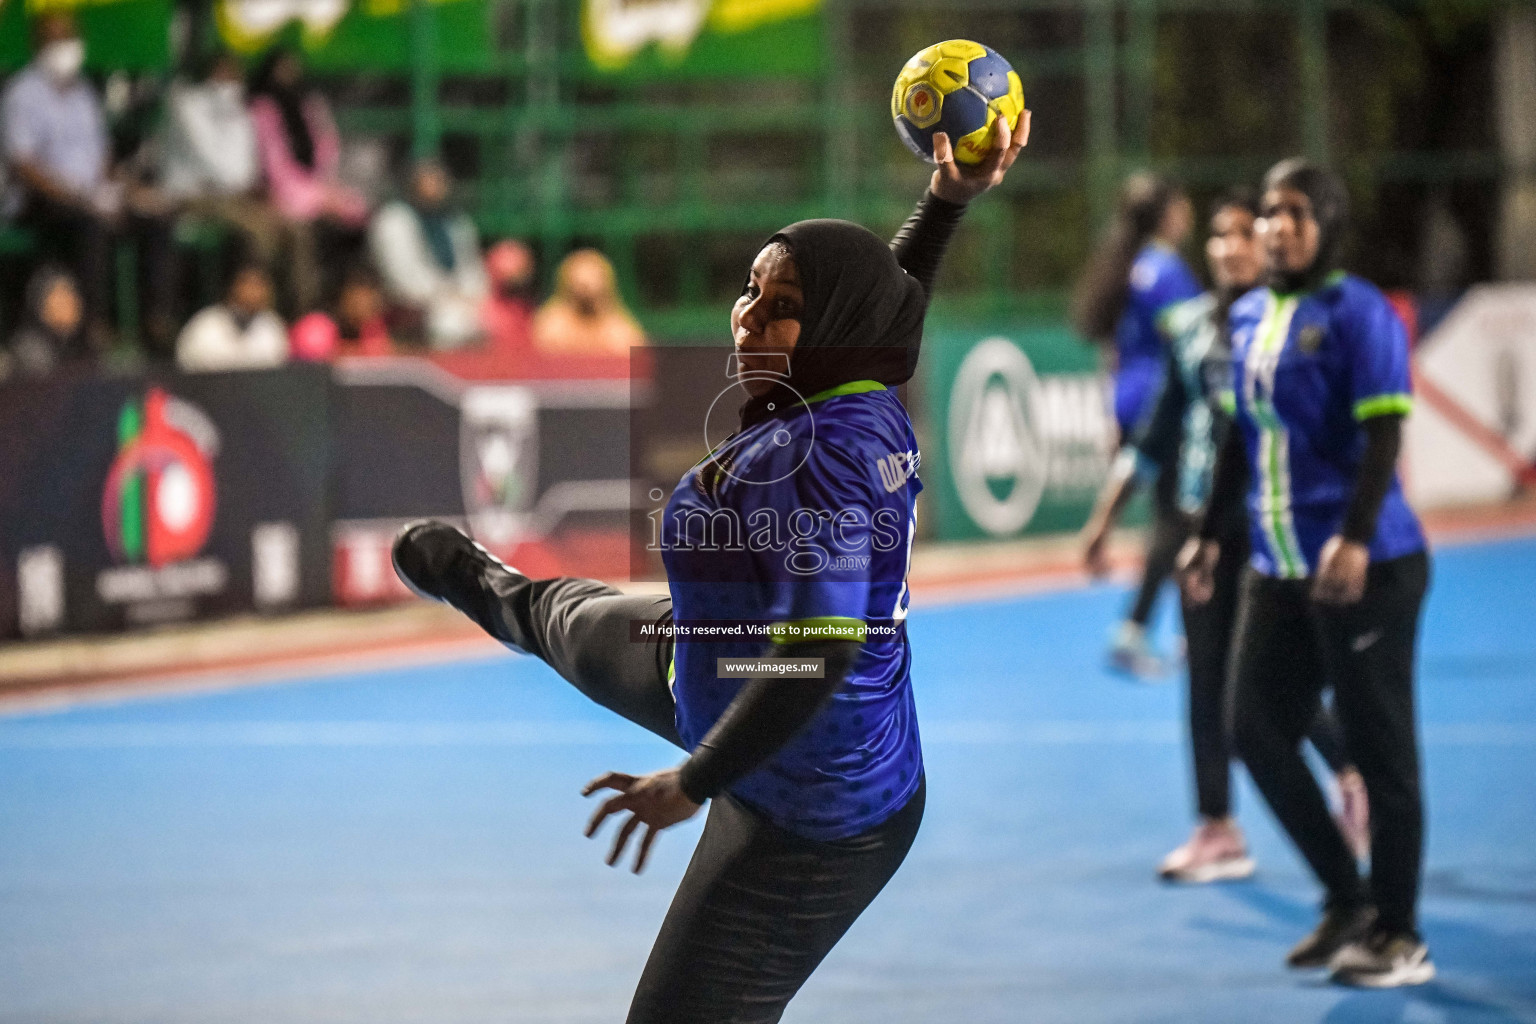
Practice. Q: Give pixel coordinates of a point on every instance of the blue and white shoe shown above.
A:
(1131, 653)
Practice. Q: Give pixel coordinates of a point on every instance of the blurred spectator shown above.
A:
(509, 265)
(52, 332)
(240, 333)
(358, 328)
(428, 253)
(585, 316)
(300, 153)
(508, 309)
(59, 156)
(362, 329)
(208, 158)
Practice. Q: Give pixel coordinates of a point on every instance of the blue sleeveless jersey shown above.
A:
(806, 521)
(1308, 369)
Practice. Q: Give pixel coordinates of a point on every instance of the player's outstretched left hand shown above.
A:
(656, 801)
(960, 183)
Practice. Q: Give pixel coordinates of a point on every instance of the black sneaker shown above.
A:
(1383, 959)
(440, 563)
(1339, 927)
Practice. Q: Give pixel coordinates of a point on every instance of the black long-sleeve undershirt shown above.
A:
(1383, 440)
(770, 710)
(921, 242)
(767, 713)
(1228, 482)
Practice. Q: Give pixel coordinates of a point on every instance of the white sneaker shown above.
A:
(1383, 959)
(1215, 852)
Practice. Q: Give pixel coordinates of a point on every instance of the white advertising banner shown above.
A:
(1472, 436)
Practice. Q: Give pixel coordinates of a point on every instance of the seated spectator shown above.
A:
(361, 324)
(208, 159)
(59, 157)
(52, 332)
(585, 316)
(240, 333)
(358, 328)
(300, 154)
(509, 266)
(428, 253)
(508, 309)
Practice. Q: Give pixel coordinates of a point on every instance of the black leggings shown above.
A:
(1170, 527)
(759, 907)
(1208, 630)
(1288, 649)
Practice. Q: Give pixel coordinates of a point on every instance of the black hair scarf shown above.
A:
(1330, 208)
(290, 104)
(862, 319)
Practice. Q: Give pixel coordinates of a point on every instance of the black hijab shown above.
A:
(862, 319)
(37, 347)
(1330, 208)
(290, 103)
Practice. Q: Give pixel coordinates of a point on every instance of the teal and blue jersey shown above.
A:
(1193, 403)
(805, 520)
(1308, 369)
(1159, 278)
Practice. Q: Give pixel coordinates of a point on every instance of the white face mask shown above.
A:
(62, 59)
(230, 94)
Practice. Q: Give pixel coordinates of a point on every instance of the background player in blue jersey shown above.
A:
(801, 523)
(1338, 574)
(1134, 277)
(1186, 426)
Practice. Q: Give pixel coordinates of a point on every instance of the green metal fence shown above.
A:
(677, 179)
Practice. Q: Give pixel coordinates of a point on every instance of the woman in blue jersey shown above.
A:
(1187, 424)
(793, 537)
(1134, 277)
(1338, 573)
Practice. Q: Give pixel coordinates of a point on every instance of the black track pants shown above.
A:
(1208, 632)
(1287, 649)
(758, 908)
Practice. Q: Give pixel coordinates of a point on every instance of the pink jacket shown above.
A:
(298, 192)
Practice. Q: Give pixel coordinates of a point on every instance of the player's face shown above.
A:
(251, 291)
(1288, 230)
(1233, 249)
(1178, 220)
(765, 322)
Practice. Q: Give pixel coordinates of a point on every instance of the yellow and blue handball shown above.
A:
(960, 88)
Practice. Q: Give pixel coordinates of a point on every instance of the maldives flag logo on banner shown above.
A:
(159, 500)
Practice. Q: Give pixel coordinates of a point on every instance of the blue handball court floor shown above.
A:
(405, 846)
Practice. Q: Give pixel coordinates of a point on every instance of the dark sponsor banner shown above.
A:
(138, 500)
(412, 442)
(537, 471)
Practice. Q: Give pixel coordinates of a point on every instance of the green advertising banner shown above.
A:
(120, 35)
(703, 38)
(1020, 418)
(352, 35)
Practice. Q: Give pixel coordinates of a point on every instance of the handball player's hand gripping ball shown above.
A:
(960, 89)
